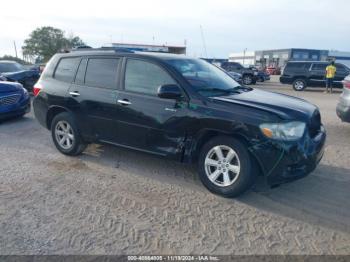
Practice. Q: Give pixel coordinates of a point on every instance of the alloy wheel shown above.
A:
(222, 166)
(299, 85)
(64, 134)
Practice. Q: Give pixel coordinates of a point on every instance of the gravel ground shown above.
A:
(116, 201)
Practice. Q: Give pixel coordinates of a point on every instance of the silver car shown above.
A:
(343, 107)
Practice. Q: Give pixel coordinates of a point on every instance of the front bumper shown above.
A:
(284, 162)
(286, 79)
(16, 110)
(343, 112)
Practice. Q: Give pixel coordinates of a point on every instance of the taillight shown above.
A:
(346, 84)
(36, 89)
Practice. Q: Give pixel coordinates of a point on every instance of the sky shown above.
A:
(227, 25)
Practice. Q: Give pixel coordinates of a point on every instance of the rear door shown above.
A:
(317, 73)
(147, 122)
(93, 96)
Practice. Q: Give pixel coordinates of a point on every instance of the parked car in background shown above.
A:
(14, 100)
(304, 74)
(182, 109)
(343, 107)
(248, 75)
(262, 76)
(273, 70)
(236, 76)
(15, 72)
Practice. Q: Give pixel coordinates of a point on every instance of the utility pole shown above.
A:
(203, 40)
(14, 44)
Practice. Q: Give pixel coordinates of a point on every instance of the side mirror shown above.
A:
(169, 92)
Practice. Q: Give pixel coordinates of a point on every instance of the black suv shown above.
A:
(303, 74)
(182, 109)
(249, 76)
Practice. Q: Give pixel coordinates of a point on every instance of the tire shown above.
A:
(64, 126)
(299, 84)
(239, 170)
(247, 79)
(262, 79)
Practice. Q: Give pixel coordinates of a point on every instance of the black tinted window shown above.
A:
(144, 77)
(342, 68)
(102, 72)
(319, 67)
(66, 69)
(231, 66)
(79, 79)
(297, 66)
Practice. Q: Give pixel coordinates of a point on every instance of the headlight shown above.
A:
(255, 73)
(284, 131)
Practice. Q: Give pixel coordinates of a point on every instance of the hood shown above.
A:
(20, 74)
(286, 107)
(8, 87)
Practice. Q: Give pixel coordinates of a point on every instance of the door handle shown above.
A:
(124, 102)
(75, 93)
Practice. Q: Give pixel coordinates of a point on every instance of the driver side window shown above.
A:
(144, 77)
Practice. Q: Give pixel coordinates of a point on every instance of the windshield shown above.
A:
(205, 78)
(10, 67)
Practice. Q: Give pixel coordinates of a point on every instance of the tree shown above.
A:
(46, 41)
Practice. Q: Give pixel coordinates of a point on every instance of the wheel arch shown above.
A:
(205, 135)
(52, 112)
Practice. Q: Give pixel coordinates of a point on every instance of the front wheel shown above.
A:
(247, 79)
(66, 136)
(299, 84)
(225, 167)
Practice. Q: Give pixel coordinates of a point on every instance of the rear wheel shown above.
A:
(299, 84)
(66, 136)
(225, 167)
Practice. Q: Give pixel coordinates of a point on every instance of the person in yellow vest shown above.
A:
(330, 74)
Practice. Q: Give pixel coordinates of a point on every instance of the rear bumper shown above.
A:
(343, 112)
(284, 162)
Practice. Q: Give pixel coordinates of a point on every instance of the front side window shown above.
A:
(66, 69)
(144, 77)
(205, 78)
(102, 72)
(319, 67)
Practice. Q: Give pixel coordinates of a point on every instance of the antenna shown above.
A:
(203, 40)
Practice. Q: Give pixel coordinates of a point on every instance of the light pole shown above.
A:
(245, 49)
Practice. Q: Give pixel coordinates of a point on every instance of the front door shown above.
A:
(147, 122)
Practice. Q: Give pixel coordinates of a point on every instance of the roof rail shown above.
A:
(104, 48)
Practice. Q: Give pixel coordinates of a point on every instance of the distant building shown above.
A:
(244, 58)
(152, 48)
(279, 57)
(340, 57)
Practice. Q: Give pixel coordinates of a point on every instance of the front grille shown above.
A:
(315, 124)
(9, 100)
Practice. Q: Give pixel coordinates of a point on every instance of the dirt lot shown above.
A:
(115, 201)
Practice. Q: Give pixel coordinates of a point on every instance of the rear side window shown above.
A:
(79, 78)
(144, 77)
(319, 67)
(297, 66)
(66, 69)
(102, 72)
